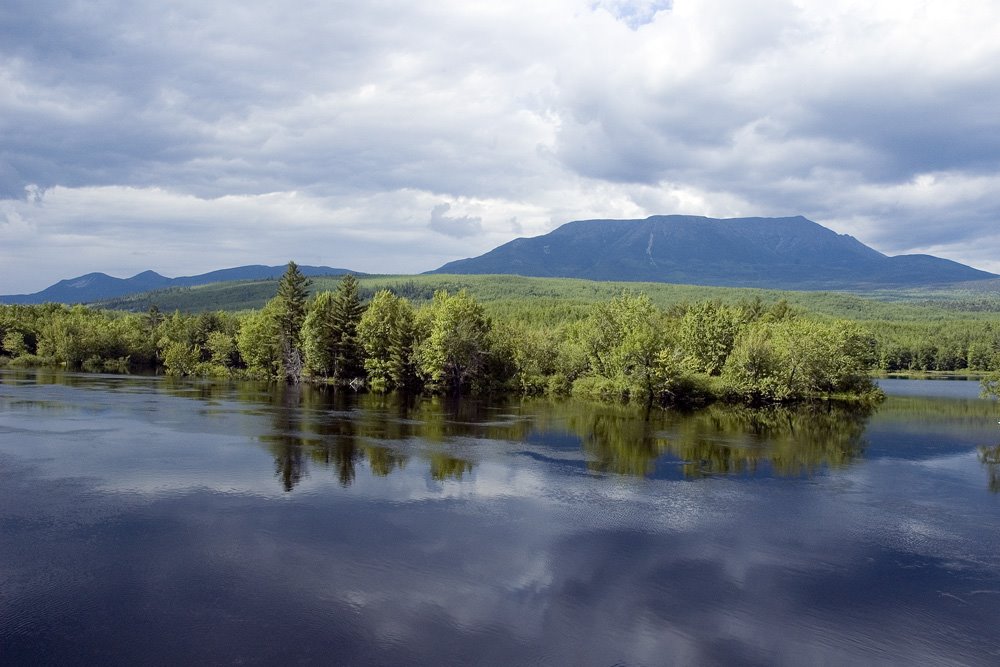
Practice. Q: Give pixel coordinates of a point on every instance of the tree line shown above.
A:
(624, 348)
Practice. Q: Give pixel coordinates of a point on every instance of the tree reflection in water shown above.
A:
(720, 439)
(340, 431)
(990, 458)
(791, 441)
(285, 442)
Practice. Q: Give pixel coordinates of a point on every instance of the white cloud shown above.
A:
(633, 13)
(246, 132)
(452, 225)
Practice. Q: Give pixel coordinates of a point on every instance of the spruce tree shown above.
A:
(345, 314)
(402, 368)
(290, 311)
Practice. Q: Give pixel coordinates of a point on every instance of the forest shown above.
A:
(404, 336)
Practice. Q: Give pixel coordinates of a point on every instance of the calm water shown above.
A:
(144, 520)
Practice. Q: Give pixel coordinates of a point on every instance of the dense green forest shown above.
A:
(506, 292)
(448, 334)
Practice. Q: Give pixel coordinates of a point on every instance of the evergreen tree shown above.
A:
(153, 317)
(402, 365)
(345, 315)
(330, 333)
(290, 312)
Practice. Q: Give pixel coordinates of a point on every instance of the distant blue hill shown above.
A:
(100, 286)
(777, 253)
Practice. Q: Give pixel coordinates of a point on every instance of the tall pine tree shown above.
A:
(346, 313)
(330, 334)
(290, 312)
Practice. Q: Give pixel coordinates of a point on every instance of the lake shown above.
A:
(155, 521)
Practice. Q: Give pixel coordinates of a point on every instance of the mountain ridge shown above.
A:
(782, 253)
(772, 253)
(97, 286)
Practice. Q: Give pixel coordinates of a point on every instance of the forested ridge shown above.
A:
(506, 291)
(397, 337)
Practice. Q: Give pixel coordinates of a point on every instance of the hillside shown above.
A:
(780, 253)
(767, 253)
(514, 295)
(94, 287)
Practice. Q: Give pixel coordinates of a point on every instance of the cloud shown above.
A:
(362, 118)
(633, 13)
(457, 226)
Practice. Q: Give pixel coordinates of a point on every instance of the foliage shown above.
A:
(14, 344)
(528, 335)
(990, 386)
(221, 347)
(561, 299)
(289, 313)
(454, 353)
(707, 333)
(257, 342)
(386, 333)
(181, 359)
(318, 336)
(623, 338)
(329, 333)
(346, 314)
(792, 359)
(920, 329)
(534, 353)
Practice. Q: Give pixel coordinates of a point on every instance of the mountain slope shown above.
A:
(786, 253)
(100, 286)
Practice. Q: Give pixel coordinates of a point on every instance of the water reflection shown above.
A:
(790, 442)
(990, 458)
(140, 522)
(720, 439)
(313, 429)
(340, 431)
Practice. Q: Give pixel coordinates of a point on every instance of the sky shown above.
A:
(393, 137)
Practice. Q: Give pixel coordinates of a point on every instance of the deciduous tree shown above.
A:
(385, 333)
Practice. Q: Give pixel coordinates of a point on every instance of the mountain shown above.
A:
(99, 286)
(780, 253)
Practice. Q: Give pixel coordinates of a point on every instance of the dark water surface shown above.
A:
(150, 521)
